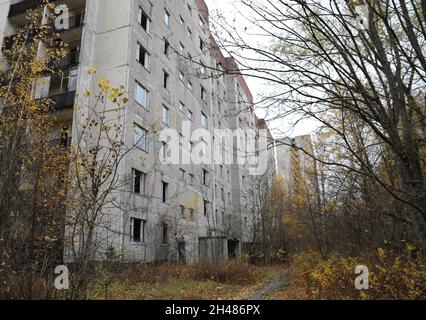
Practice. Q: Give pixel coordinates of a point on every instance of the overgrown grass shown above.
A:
(227, 280)
(392, 275)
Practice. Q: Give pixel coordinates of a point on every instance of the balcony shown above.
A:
(69, 61)
(10, 40)
(64, 100)
(63, 142)
(23, 6)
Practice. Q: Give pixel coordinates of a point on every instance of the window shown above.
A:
(166, 47)
(142, 56)
(166, 115)
(165, 187)
(182, 211)
(229, 198)
(189, 33)
(243, 179)
(189, 9)
(204, 121)
(190, 115)
(144, 20)
(139, 182)
(182, 175)
(166, 78)
(167, 18)
(205, 207)
(181, 20)
(141, 138)
(221, 170)
(165, 234)
(137, 230)
(203, 93)
(201, 22)
(206, 177)
(181, 76)
(223, 217)
(166, 152)
(201, 44)
(181, 48)
(191, 179)
(182, 107)
(222, 194)
(141, 95)
(190, 86)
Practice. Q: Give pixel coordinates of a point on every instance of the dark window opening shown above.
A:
(165, 190)
(165, 79)
(144, 20)
(165, 234)
(137, 230)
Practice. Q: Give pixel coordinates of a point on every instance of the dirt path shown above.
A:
(279, 281)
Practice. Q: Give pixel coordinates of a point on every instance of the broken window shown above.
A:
(137, 230)
(142, 56)
(139, 182)
(141, 138)
(144, 20)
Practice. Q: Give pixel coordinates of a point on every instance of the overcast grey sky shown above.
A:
(231, 11)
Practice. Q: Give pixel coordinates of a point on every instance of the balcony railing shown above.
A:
(70, 60)
(64, 142)
(23, 6)
(64, 100)
(10, 40)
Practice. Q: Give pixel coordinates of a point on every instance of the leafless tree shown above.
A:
(326, 63)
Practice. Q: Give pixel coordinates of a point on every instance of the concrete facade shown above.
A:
(294, 162)
(138, 43)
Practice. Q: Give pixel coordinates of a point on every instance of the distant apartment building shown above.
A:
(297, 165)
(163, 53)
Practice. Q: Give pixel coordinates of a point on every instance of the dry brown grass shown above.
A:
(228, 280)
(231, 272)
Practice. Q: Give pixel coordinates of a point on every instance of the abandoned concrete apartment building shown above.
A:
(160, 50)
